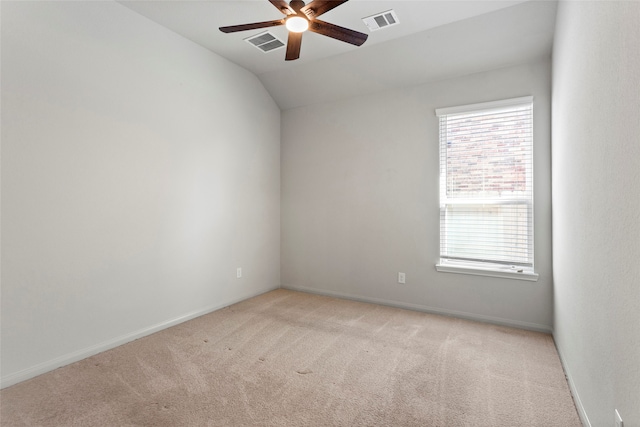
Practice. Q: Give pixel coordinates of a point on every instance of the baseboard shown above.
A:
(574, 391)
(427, 309)
(75, 356)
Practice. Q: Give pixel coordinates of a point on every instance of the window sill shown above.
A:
(489, 272)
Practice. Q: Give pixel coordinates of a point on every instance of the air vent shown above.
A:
(381, 20)
(266, 42)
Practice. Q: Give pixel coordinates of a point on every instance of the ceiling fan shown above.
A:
(300, 18)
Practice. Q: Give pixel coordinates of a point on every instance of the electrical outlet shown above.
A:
(238, 273)
(401, 278)
(619, 422)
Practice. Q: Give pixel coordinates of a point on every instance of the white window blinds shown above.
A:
(486, 183)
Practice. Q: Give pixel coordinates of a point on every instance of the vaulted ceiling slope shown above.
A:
(434, 40)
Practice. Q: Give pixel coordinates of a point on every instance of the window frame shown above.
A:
(476, 267)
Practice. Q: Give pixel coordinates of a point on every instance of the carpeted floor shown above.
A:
(292, 359)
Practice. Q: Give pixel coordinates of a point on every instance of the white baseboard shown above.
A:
(426, 309)
(75, 356)
(574, 391)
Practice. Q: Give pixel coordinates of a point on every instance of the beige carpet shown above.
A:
(293, 359)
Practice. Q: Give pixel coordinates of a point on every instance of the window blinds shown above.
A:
(486, 182)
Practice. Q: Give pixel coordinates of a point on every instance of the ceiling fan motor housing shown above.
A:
(296, 5)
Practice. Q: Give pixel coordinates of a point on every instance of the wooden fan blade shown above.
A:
(255, 25)
(294, 43)
(282, 6)
(318, 7)
(337, 32)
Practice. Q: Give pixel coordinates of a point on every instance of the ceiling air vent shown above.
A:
(266, 41)
(381, 20)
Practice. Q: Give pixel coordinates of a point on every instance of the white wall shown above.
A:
(596, 205)
(138, 171)
(360, 200)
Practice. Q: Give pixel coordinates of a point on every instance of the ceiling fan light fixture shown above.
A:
(297, 24)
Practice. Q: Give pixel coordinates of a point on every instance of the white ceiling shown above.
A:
(435, 39)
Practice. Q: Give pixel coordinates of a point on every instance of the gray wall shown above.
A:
(360, 200)
(138, 171)
(596, 205)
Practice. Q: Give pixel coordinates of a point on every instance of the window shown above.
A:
(486, 189)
